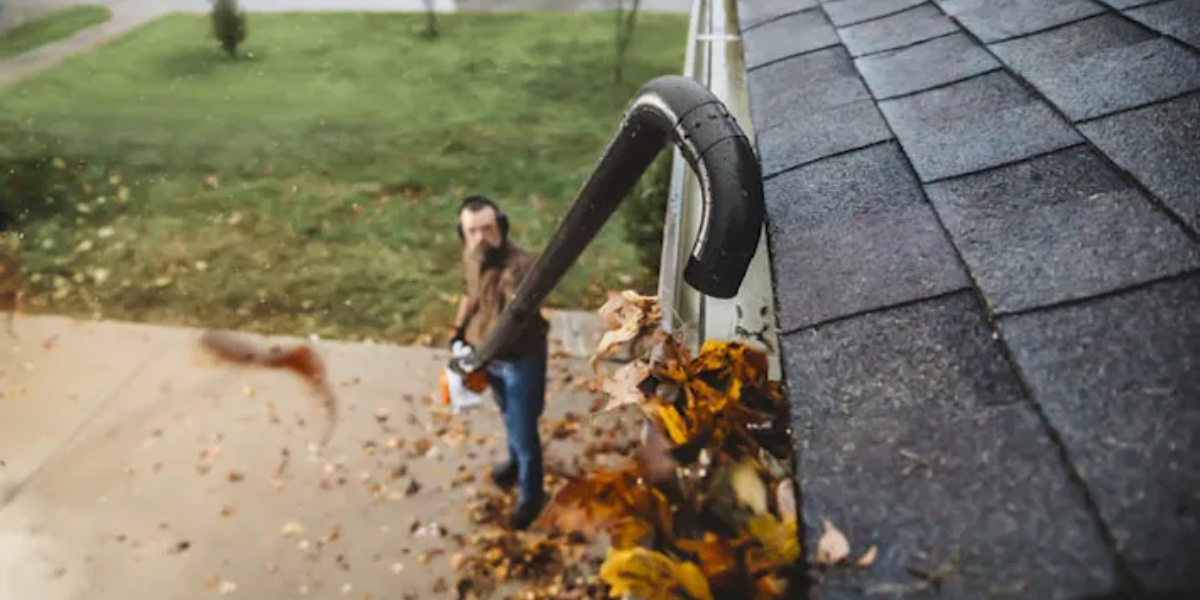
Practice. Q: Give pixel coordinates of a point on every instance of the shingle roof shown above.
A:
(984, 221)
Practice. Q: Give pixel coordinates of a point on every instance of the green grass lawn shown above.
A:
(312, 186)
(51, 28)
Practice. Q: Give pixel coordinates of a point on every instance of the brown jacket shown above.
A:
(488, 291)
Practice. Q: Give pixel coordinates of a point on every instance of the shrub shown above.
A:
(229, 25)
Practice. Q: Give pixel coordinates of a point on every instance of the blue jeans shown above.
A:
(519, 387)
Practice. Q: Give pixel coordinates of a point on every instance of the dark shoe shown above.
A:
(504, 475)
(526, 513)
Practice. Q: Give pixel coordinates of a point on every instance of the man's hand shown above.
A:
(459, 335)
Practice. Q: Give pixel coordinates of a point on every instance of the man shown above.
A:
(493, 266)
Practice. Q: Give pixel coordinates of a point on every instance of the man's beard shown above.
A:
(489, 255)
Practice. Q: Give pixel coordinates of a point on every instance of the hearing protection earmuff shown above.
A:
(501, 217)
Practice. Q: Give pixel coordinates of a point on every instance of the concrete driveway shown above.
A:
(134, 469)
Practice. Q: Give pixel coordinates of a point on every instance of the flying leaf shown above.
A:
(604, 501)
(301, 360)
(622, 386)
(593, 502)
(627, 315)
(833, 547)
(650, 575)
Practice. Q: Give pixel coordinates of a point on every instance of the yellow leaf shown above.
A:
(833, 547)
(672, 423)
(650, 575)
(749, 486)
(777, 543)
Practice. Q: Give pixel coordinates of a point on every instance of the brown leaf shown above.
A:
(770, 586)
(301, 360)
(421, 447)
(414, 486)
(654, 458)
(833, 547)
(627, 315)
(714, 554)
(622, 386)
(603, 499)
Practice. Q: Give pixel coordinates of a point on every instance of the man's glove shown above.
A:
(460, 335)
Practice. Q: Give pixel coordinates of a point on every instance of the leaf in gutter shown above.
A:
(650, 575)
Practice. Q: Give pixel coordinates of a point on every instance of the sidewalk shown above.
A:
(131, 14)
(144, 473)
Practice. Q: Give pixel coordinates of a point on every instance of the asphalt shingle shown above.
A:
(1128, 3)
(1158, 145)
(791, 35)
(982, 493)
(1059, 227)
(807, 138)
(914, 435)
(914, 25)
(982, 122)
(1102, 65)
(915, 420)
(853, 233)
(1177, 18)
(849, 12)
(796, 87)
(995, 20)
(937, 354)
(1119, 378)
(908, 70)
(752, 13)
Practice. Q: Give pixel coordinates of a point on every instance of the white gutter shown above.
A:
(715, 58)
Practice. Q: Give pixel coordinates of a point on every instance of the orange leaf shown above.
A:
(714, 555)
(301, 360)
